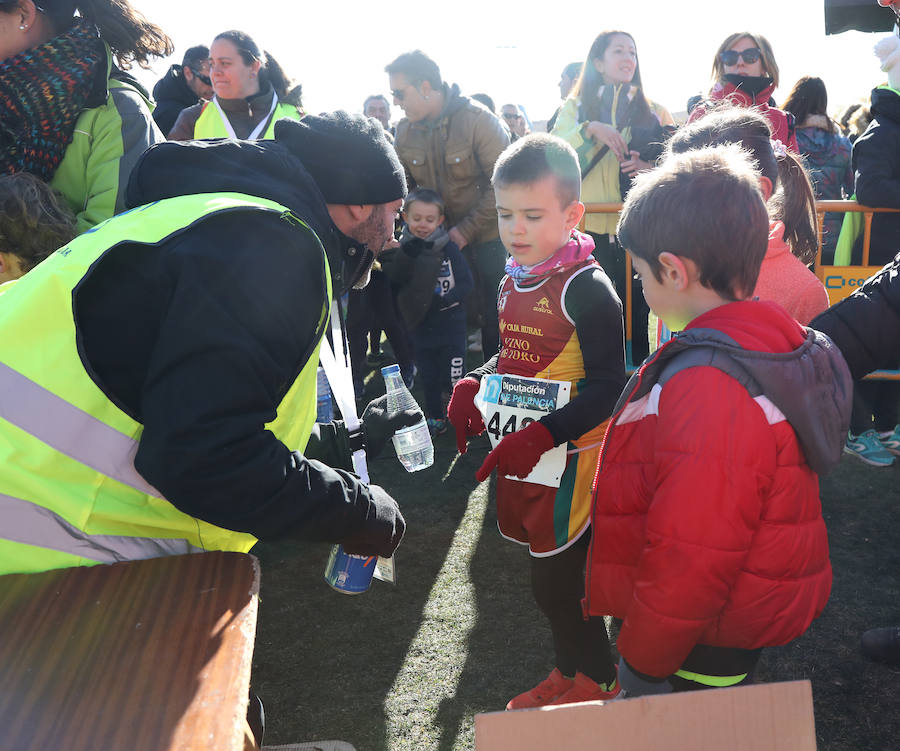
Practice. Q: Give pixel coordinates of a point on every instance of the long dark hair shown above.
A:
(270, 72)
(130, 36)
(590, 81)
(793, 200)
(808, 97)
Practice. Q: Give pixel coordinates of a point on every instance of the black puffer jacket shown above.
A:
(866, 325)
(200, 337)
(171, 94)
(876, 165)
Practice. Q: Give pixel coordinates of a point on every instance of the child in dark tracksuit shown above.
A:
(432, 280)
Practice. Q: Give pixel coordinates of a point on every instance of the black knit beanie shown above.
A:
(348, 156)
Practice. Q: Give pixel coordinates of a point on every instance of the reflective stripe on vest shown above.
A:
(210, 125)
(69, 492)
(34, 525)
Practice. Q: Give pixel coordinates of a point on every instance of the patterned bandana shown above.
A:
(577, 250)
(42, 92)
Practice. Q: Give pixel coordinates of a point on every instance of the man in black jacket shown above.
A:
(182, 86)
(200, 336)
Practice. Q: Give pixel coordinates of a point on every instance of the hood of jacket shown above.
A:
(800, 370)
(173, 87)
(453, 102)
(821, 143)
(886, 104)
(266, 169)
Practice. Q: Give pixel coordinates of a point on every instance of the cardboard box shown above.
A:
(764, 717)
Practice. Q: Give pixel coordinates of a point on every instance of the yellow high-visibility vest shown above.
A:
(69, 492)
(210, 124)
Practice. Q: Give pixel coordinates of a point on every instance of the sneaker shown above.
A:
(544, 693)
(867, 447)
(891, 441)
(437, 426)
(882, 644)
(586, 689)
(475, 342)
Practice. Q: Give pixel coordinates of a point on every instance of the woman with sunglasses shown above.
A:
(745, 73)
(70, 114)
(251, 90)
(616, 132)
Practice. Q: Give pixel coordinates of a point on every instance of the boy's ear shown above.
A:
(574, 213)
(425, 88)
(765, 184)
(677, 272)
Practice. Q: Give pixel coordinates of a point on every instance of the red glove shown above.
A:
(463, 414)
(518, 453)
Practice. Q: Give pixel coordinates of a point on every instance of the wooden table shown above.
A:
(148, 655)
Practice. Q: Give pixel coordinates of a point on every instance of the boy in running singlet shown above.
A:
(560, 320)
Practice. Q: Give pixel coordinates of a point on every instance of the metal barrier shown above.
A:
(839, 281)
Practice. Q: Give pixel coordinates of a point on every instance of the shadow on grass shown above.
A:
(509, 645)
(325, 662)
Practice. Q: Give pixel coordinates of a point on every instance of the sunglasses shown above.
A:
(749, 56)
(510, 116)
(201, 77)
(398, 94)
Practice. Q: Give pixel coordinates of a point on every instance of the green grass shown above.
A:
(408, 666)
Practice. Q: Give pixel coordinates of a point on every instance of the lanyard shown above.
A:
(340, 378)
(259, 127)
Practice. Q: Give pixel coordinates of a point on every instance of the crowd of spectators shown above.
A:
(69, 147)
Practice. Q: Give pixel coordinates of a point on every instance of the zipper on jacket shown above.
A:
(615, 101)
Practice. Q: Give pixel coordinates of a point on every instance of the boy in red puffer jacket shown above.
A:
(708, 537)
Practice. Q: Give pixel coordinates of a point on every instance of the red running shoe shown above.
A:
(586, 689)
(544, 693)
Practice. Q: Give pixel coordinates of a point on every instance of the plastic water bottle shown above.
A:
(413, 445)
(324, 408)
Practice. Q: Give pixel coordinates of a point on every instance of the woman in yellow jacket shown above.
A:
(616, 132)
(251, 90)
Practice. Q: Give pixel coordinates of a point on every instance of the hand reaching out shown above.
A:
(608, 135)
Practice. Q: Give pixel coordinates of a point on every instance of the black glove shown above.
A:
(382, 529)
(379, 427)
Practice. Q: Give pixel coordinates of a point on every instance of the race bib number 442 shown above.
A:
(509, 403)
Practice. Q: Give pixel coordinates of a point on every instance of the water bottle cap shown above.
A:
(390, 370)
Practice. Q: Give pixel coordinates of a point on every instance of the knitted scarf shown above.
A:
(42, 92)
(577, 250)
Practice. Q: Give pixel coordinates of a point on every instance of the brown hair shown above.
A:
(808, 97)
(704, 205)
(130, 36)
(793, 200)
(270, 71)
(417, 67)
(589, 82)
(536, 156)
(766, 55)
(34, 220)
(424, 195)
